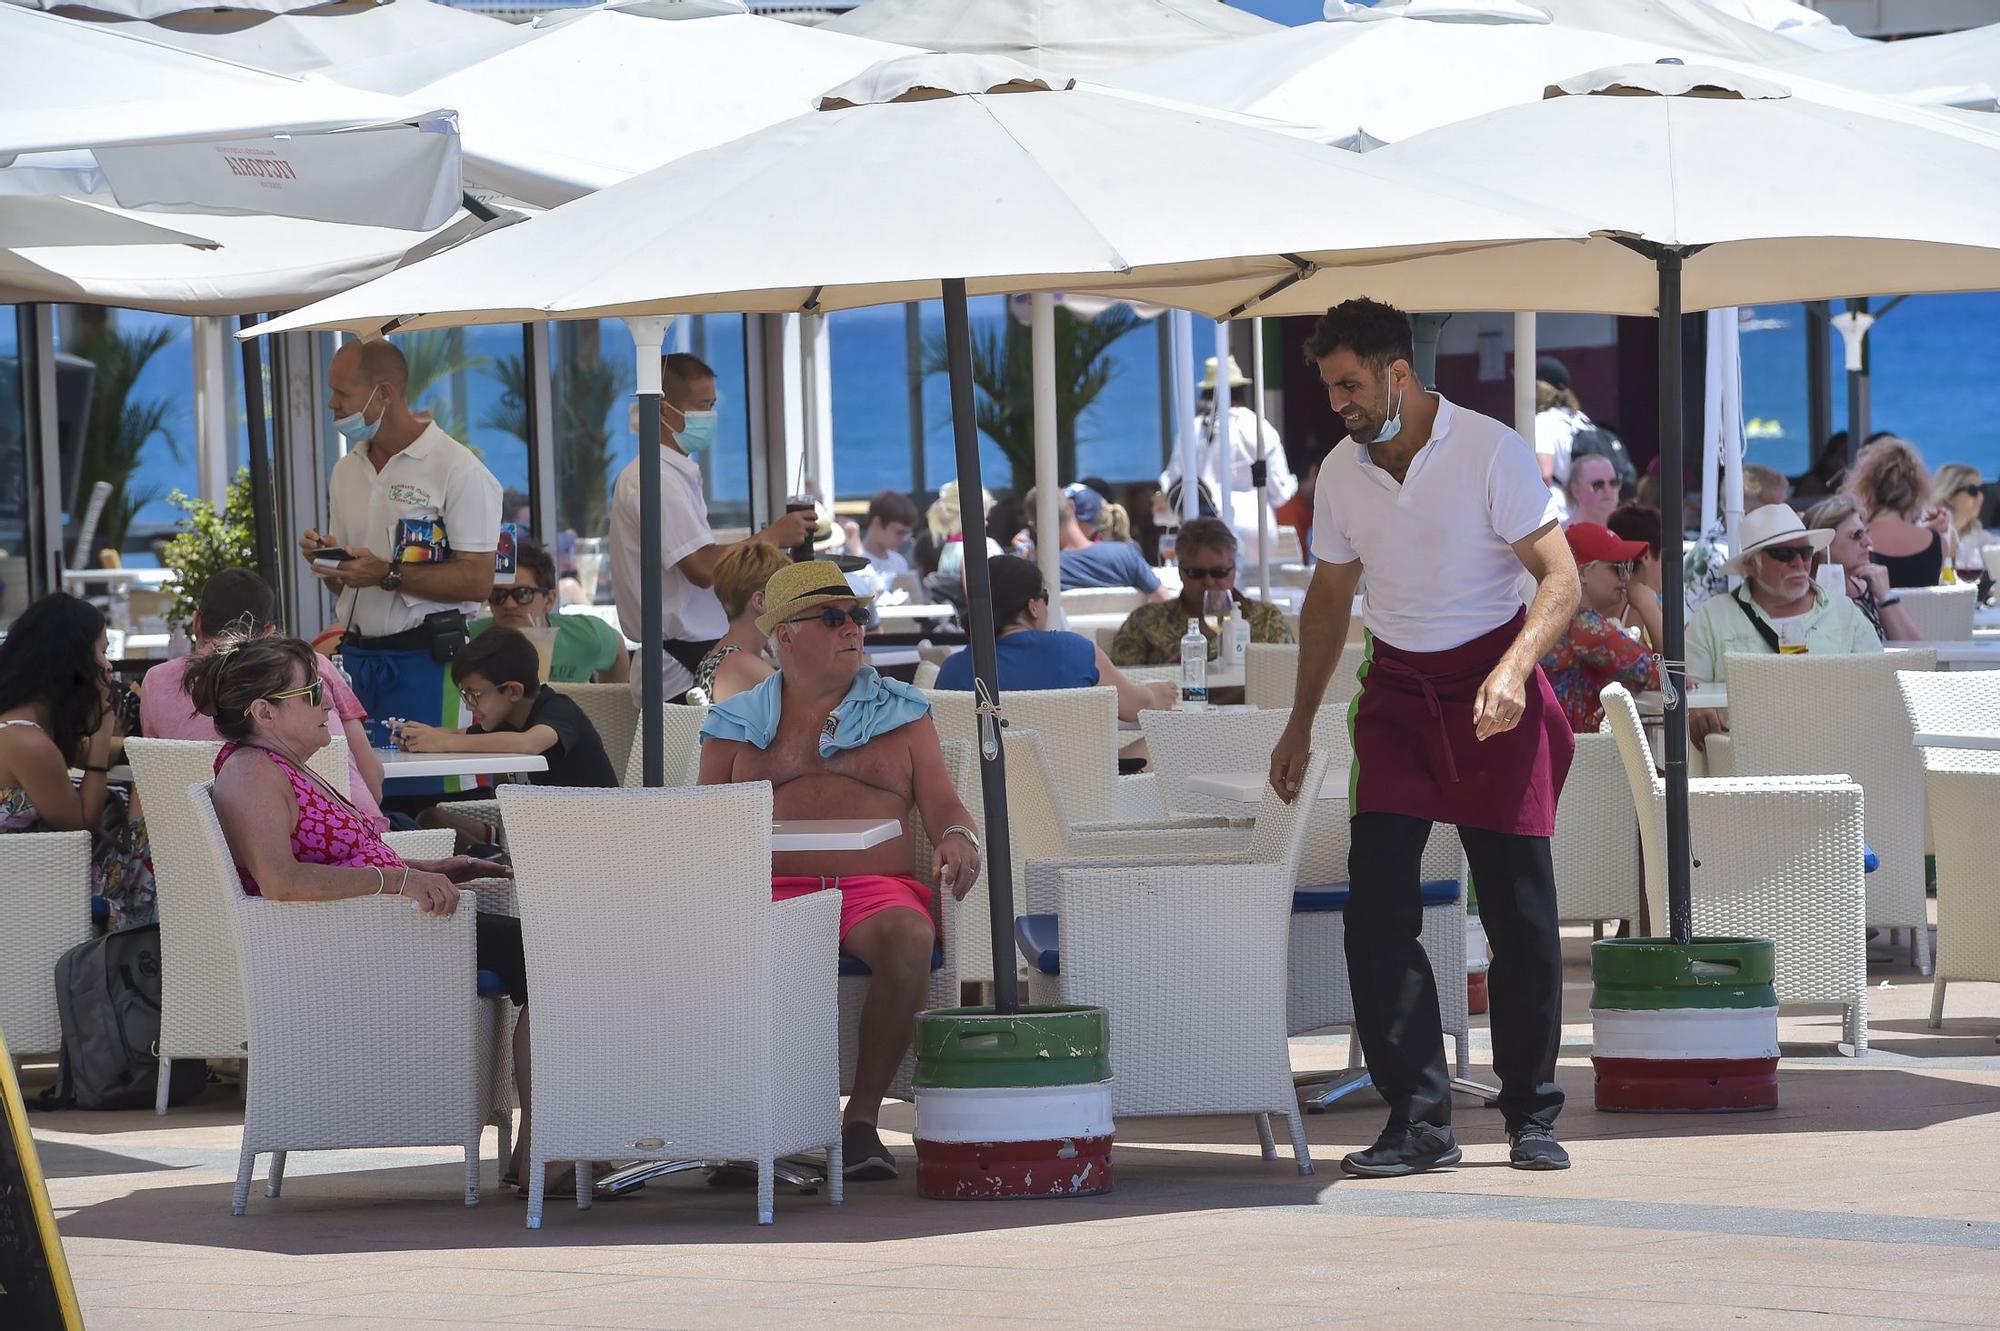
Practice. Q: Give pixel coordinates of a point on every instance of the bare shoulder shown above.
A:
(718, 759)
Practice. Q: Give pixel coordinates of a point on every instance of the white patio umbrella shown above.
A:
(176, 132)
(1792, 20)
(1075, 38)
(952, 175)
(157, 9)
(1953, 69)
(36, 221)
(1708, 189)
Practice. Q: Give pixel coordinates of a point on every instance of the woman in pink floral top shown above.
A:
(1597, 650)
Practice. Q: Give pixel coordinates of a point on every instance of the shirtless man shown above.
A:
(836, 740)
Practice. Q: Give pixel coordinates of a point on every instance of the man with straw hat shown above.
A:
(1455, 723)
(1245, 424)
(1779, 609)
(837, 740)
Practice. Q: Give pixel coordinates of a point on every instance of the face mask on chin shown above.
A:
(358, 429)
(1393, 425)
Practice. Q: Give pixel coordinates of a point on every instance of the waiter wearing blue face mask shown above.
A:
(692, 619)
(417, 517)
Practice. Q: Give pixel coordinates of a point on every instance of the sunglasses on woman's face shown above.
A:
(1975, 490)
(314, 693)
(833, 616)
(499, 596)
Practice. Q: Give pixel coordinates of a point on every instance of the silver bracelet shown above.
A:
(963, 831)
(406, 881)
(381, 880)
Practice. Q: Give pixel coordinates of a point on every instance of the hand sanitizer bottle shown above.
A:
(1235, 639)
(1194, 669)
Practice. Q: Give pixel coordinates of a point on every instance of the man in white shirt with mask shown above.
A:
(691, 618)
(1245, 425)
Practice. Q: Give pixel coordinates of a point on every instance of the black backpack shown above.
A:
(1594, 438)
(108, 996)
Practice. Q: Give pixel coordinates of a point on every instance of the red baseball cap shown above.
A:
(1591, 543)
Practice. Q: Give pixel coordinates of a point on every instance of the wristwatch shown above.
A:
(392, 581)
(962, 830)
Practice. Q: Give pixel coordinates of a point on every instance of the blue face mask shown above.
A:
(697, 430)
(358, 429)
(1392, 426)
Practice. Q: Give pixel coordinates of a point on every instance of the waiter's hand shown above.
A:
(314, 540)
(1500, 702)
(366, 569)
(790, 530)
(1289, 759)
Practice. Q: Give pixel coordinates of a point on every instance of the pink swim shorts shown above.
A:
(862, 895)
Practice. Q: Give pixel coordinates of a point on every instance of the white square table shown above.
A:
(1958, 739)
(402, 765)
(833, 833)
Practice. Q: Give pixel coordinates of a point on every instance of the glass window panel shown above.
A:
(14, 496)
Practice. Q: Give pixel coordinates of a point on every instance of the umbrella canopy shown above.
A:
(179, 132)
(1955, 69)
(1691, 25)
(617, 94)
(32, 221)
(155, 9)
(1732, 167)
(1793, 20)
(1072, 37)
(1016, 186)
(1367, 78)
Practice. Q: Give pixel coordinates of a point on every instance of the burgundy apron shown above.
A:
(1415, 752)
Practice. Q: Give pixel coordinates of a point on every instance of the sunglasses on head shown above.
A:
(499, 596)
(833, 616)
(1789, 554)
(314, 693)
(1214, 573)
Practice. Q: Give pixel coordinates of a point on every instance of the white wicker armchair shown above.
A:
(720, 1042)
(1780, 723)
(1596, 845)
(1963, 787)
(680, 747)
(612, 710)
(367, 1026)
(1774, 857)
(1941, 614)
(1188, 960)
(44, 912)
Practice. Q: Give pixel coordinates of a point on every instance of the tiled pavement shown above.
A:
(1872, 1195)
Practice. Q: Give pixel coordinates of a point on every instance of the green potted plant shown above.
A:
(208, 542)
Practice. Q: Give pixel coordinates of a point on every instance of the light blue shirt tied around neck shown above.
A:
(873, 706)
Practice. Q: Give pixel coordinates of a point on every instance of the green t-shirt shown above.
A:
(585, 645)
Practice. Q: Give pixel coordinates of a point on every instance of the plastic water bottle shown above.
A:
(1194, 669)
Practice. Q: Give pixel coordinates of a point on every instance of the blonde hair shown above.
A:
(1889, 477)
(943, 516)
(1115, 524)
(1763, 486)
(1949, 480)
(743, 572)
(1548, 395)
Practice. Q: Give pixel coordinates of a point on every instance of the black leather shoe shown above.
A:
(1409, 1149)
(1532, 1146)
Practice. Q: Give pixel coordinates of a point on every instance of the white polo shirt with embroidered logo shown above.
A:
(435, 478)
(688, 612)
(1437, 549)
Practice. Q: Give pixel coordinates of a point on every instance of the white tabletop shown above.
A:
(1225, 707)
(1248, 787)
(833, 833)
(913, 611)
(1958, 739)
(1708, 695)
(398, 765)
(1978, 651)
(128, 577)
(1986, 617)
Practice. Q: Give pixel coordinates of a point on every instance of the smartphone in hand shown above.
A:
(331, 554)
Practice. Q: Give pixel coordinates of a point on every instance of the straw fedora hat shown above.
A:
(797, 588)
(1237, 379)
(1773, 524)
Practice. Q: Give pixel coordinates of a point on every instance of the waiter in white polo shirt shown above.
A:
(692, 619)
(418, 517)
(1442, 508)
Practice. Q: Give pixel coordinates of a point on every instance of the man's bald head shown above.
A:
(376, 362)
(373, 378)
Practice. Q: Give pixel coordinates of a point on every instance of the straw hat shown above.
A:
(1773, 524)
(1237, 379)
(797, 588)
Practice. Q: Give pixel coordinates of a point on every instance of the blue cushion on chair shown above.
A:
(856, 966)
(1038, 940)
(1333, 896)
(100, 910)
(490, 985)
(1870, 861)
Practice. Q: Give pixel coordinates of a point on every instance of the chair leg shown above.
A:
(472, 1167)
(583, 1187)
(276, 1182)
(244, 1164)
(767, 1191)
(503, 1124)
(538, 1186)
(1301, 1151)
(1920, 949)
(836, 1175)
(1265, 1141)
(166, 1077)
(1937, 1000)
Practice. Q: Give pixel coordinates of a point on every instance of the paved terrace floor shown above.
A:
(1871, 1196)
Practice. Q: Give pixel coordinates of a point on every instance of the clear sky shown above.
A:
(1282, 11)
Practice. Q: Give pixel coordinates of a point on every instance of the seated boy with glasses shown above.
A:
(836, 740)
(586, 647)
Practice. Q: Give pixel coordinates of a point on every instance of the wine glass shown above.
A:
(1215, 609)
(589, 557)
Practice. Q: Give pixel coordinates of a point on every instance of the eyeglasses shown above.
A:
(833, 616)
(1214, 574)
(1789, 554)
(471, 697)
(314, 693)
(1976, 490)
(499, 596)
(1607, 483)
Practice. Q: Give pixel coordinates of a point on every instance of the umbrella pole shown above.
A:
(1048, 488)
(648, 332)
(1257, 471)
(1680, 913)
(985, 664)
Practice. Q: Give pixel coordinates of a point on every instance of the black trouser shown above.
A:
(496, 947)
(1395, 994)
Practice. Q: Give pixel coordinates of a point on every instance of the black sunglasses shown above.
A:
(1977, 491)
(518, 595)
(1789, 554)
(1213, 574)
(833, 616)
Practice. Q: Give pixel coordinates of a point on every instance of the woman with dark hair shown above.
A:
(57, 711)
(1033, 656)
(296, 838)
